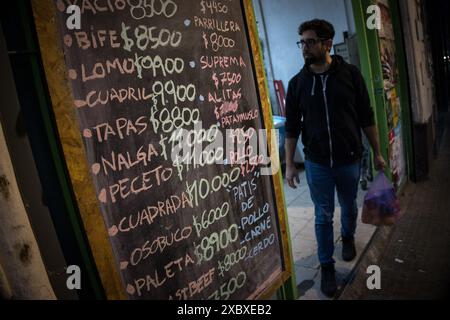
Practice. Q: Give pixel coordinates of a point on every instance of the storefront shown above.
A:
(380, 56)
(68, 205)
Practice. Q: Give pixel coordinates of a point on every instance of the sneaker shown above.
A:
(328, 281)
(348, 249)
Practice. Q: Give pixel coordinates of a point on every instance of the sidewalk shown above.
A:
(413, 256)
(304, 247)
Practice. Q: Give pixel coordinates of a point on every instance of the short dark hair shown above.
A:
(323, 28)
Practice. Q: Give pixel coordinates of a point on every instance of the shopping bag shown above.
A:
(381, 206)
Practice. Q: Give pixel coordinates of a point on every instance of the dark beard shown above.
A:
(315, 60)
(311, 60)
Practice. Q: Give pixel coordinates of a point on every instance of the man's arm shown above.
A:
(292, 129)
(290, 144)
(372, 135)
(367, 119)
(291, 171)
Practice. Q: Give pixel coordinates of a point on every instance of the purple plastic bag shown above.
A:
(381, 206)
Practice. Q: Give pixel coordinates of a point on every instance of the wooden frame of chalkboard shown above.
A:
(211, 230)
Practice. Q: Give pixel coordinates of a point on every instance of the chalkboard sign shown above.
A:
(169, 111)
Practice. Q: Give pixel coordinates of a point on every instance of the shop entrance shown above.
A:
(374, 52)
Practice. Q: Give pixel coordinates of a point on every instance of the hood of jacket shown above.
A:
(336, 64)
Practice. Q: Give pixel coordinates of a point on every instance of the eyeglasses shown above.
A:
(308, 42)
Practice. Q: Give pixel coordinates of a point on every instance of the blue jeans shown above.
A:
(322, 181)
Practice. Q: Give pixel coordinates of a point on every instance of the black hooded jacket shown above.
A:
(329, 111)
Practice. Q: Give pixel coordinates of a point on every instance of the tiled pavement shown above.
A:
(304, 248)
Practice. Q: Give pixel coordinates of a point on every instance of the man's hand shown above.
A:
(380, 163)
(372, 136)
(292, 176)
